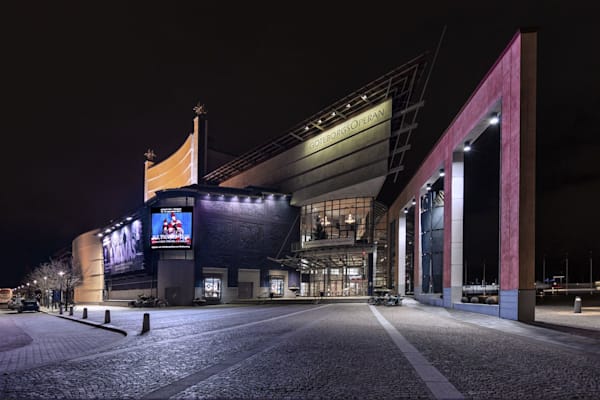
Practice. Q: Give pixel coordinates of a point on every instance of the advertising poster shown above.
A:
(123, 249)
(171, 228)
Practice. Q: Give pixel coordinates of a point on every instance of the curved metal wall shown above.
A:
(87, 256)
(178, 170)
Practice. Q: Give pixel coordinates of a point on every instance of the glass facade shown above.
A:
(212, 288)
(345, 245)
(337, 219)
(276, 283)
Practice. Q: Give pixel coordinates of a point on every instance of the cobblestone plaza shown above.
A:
(294, 351)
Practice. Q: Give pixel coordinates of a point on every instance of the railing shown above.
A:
(313, 244)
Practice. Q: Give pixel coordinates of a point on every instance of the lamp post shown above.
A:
(46, 291)
(61, 273)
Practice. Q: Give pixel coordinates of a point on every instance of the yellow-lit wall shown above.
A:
(178, 170)
(348, 160)
(87, 256)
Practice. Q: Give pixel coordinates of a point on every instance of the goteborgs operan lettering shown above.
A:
(360, 122)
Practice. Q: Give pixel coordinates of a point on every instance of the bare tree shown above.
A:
(61, 275)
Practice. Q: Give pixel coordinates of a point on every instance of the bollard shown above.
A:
(84, 313)
(71, 310)
(60, 310)
(107, 317)
(577, 307)
(146, 323)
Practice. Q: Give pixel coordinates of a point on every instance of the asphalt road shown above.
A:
(332, 351)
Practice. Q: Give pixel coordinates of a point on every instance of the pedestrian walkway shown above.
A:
(554, 325)
(49, 340)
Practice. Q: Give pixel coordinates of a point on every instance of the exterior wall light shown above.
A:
(494, 119)
(306, 128)
(405, 210)
(442, 172)
(467, 146)
(428, 187)
(348, 105)
(319, 121)
(333, 114)
(414, 202)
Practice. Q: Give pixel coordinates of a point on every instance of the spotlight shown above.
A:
(333, 114)
(306, 128)
(428, 187)
(414, 202)
(494, 119)
(405, 210)
(442, 172)
(467, 146)
(348, 105)
(364, 97)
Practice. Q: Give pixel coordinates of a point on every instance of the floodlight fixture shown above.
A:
(467, 146)
(494, 119)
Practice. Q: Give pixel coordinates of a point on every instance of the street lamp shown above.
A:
(46, 291)
(61, 273)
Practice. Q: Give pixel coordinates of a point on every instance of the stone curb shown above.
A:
(91, 323)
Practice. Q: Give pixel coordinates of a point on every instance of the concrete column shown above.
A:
(418, 262)
(401, 263)
(517, 184)
(455, 233)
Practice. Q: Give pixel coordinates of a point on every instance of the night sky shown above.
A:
(88, 87)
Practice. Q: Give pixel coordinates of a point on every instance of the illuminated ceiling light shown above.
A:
(306, 128)
(442, 172)
(348, 105)
(333, 114)
(107, 231)
(129, 218)
(494, 119)
(319, 121)
(428, 186)
(100, 234)
(405, 210)
(467, 146)
(364, 97)
(349, 219)
(413, 202)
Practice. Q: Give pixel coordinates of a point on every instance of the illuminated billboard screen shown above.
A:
(171, 228)
(123, 249)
